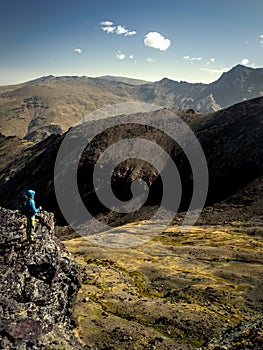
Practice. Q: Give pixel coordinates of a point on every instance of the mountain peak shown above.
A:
(46, 77)
(237, 72)
(240, 68)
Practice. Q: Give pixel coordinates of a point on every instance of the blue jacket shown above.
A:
(31, 204)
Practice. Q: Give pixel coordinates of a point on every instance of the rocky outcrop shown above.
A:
(39, 282)
(43, 132)
(248, 335)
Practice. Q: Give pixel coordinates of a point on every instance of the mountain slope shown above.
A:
(47, 105)
(232, 133)
(56, 103)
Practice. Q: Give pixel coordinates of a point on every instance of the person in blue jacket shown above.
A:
(31, 211)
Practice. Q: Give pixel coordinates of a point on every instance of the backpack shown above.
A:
(23, 203)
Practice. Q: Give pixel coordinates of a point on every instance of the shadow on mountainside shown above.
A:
(231, 141)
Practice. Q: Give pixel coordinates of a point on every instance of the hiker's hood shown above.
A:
(31, 194)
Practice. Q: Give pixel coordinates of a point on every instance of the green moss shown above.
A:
(140, 282)
(166, 240)
(195, 342)
(241, 288)
(105, 263)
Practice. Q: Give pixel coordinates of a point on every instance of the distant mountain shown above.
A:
(239, 84)
(231, 139)
(48, 105)
(130, 81)
(38, 108)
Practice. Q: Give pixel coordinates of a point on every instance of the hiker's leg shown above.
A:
(32, 227)
(28, 228)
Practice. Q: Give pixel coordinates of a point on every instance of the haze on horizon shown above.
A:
(193, 41)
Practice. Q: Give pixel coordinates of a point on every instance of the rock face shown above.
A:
(38, 285)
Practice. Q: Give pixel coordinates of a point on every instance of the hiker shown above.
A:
(27, 207)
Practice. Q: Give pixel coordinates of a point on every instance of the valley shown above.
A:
(177, 291)
(138, 285)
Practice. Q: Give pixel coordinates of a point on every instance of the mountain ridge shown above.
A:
(132, 81)
(35, 109)
(231, 132)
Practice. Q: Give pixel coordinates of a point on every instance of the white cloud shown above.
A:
(78, 50)
(156, 41)
(106, 23)
(192, 59)
(215, 71)
(120, 56)
(261, 39)
(130, 33)
(150, 60)
(121, 30)
(110, 28)
(211, 60)
(245, 61)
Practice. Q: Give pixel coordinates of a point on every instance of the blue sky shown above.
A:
(189, 40)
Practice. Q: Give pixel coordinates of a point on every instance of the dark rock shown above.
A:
(247, 335)
(38, 287)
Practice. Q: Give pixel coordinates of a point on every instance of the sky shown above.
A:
(183, 40)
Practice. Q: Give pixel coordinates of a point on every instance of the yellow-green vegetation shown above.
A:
(180, 288)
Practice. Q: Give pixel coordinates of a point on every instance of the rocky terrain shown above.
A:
(200, 289)
(38, 108)
(39, 283)
(178, 290)
(197, 289)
